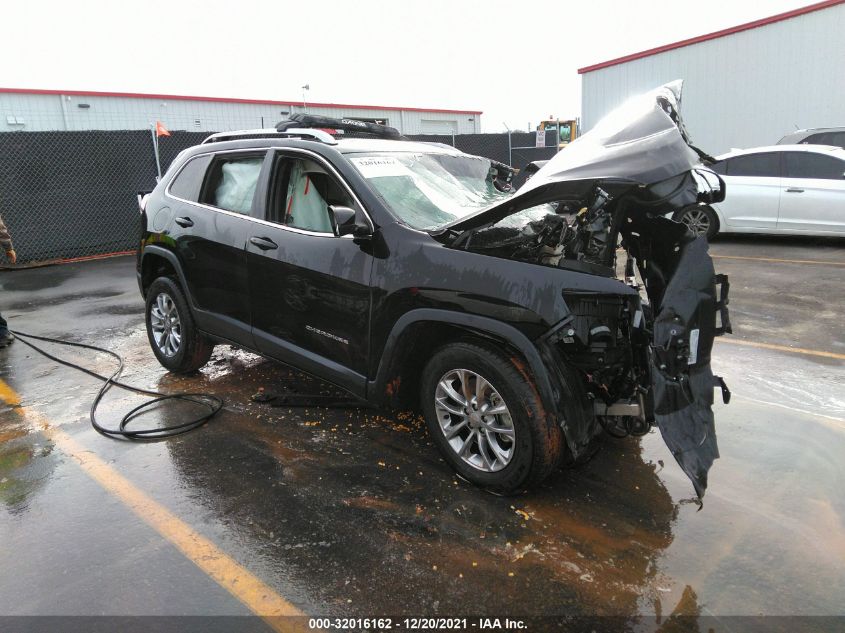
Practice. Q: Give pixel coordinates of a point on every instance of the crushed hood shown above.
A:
(640, 143)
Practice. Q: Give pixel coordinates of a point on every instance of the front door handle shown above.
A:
(264, 243)
(794, 190)
(184, 222)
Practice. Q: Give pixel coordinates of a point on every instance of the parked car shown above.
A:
(789, 189)
(410, 274)
(816, 136)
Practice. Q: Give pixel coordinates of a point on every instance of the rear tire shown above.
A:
(700, 219)
(174, 338)
(514, 446)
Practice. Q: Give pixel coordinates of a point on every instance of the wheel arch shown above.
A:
(720, 216)
(409, 345)
(156, 261)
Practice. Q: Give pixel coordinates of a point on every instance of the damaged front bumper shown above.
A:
(623, 365)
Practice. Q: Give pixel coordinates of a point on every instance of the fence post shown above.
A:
(155, 149)
(510, 149)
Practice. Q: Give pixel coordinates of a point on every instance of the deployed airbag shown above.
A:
(237, 185)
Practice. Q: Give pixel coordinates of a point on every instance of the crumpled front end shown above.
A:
(642, 358)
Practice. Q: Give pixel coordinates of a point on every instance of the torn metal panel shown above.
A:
(684, 329)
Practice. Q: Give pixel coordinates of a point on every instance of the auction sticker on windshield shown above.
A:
(380, 167)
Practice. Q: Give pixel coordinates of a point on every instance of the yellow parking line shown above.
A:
(782, 348)
(780, 261)
(8, 395)
(223, 569)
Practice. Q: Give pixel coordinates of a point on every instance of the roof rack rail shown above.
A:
(311, 121)
(316, 134)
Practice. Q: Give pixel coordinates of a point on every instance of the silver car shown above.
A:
(816, 136)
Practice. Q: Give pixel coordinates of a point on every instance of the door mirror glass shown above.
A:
(345, 221)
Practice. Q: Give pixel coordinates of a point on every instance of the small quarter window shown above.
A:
(186, 185)
(231, 183)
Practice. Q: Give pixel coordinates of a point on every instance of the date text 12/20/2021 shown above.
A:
(417, 624)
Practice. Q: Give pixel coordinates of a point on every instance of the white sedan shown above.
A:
(789, 189)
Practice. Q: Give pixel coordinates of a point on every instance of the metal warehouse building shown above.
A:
(42, 110)
(744, 86)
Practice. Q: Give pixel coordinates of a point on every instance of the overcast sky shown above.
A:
(516, 60)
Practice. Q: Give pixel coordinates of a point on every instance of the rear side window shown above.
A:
(231, 183)
(810, 165)
(826, 138)
(765, 165)
(187, 183)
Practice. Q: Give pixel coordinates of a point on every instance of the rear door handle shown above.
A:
(264, 243)
(184, 222)
(794, 190)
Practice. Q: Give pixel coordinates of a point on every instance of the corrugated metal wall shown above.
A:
(48, 112)
(742, 90)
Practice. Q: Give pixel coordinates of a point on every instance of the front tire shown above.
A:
(700, 219)
(174, 338)
(486, 417)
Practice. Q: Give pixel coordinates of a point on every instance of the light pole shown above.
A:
(305, 88)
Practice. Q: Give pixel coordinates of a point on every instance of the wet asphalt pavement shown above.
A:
(353, 513)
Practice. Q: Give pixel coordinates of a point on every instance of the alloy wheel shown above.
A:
(697, 220)
(475, 420)
(166, 325)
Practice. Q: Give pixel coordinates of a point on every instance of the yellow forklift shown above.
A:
(567, 129)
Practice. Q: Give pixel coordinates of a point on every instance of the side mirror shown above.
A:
(347, 221)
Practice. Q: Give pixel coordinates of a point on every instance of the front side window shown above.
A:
(303, 191)
(764, 165)
(231, 183)
(427, 191)
(810, 165)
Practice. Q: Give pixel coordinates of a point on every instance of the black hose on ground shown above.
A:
(210, 402)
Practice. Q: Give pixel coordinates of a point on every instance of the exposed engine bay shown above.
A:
(568, 234)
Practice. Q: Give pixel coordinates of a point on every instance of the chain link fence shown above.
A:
(516, 149)
(67, 195)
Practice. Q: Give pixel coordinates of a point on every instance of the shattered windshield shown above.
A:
(428, 191)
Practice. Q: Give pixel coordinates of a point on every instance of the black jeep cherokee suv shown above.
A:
(411, 275)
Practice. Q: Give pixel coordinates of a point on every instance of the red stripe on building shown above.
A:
(140, 95)
(712, 36)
